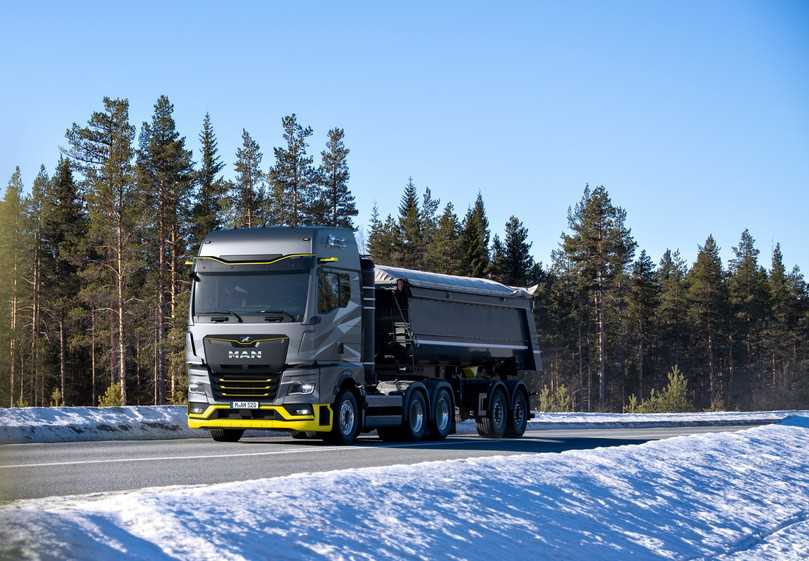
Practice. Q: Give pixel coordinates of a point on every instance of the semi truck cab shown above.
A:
(291, 329)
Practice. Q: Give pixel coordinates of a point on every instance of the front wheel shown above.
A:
(227, 435)
(346, 419)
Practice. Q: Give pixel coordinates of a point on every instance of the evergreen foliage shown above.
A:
(211, 187)
(246, 194)
(296, 195)
(333, 176)
(475, 240)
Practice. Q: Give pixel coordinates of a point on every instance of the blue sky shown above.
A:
(695, 115)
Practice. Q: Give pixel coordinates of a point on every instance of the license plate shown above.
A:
(244, 405)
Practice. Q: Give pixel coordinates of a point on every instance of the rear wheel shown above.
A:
(494, 424)
(416, 424)
(346, 419)
(227, 435)
(443, 412)
(518, 416)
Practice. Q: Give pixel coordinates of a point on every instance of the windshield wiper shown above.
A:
(280, 313)
(227, 313)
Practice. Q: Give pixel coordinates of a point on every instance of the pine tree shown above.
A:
(246, 194)
(12, 255)
(294, 179)
(707, 295)
(211, 187)
(475, 240)
(102, 152)
(443, 252)
(410, 249)
(333, 176)
(517, 260)
(600, 246)
(33, 275)
(780, 328)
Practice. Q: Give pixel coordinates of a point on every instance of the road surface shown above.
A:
(43, 470)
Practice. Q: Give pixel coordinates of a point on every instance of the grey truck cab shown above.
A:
(291, 329)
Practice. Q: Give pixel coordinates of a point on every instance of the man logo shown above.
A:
(249, 354)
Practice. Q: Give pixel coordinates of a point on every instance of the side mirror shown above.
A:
(314, 320)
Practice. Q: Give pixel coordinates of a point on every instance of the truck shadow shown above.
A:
(526, 445)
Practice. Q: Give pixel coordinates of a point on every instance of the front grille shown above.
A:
(244, 384)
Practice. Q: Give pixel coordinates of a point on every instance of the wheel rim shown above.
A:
(346, 418)
(416, 415)
(442, 418)
(497, 412)
(519, 413)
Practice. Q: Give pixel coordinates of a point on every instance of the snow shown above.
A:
(729, 496)
(70, 424)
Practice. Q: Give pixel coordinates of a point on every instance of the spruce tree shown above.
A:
(410, 249)
(497, 265)
(35, 250)
(338, 202)
(294, 179)
(211, 188)
(475, 240)
(642, 303)
(672, 313)
(443, 252)
(64, 229)
(246, 194)
(707, 295)
(517, 260)
(748, 300)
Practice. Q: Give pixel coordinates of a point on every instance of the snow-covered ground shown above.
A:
(69, 424)
(729, 496)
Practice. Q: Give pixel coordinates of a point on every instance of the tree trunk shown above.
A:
(62, 360)
(120, 305)
(34, 326)
(173, 301)
(12, 348)
(93, 355)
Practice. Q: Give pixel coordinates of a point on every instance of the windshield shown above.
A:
(277, 294)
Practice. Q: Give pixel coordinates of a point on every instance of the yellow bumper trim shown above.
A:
(287, 422)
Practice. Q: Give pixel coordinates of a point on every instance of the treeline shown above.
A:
(612, 323)
(94, 291)
(93, 287)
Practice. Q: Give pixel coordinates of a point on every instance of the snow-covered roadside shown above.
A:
(732, 496)
(71, 424)
(649, 420)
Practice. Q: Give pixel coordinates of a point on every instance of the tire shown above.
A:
(346, 419)
(415, 426)
(441, 419)
(227, 435)
(495, 423)
(518, 414)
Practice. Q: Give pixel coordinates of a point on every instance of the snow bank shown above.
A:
(732, 496)
(67, 424)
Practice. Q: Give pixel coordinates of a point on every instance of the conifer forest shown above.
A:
(94, 286)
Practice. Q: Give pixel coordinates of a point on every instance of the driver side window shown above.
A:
(334, 291)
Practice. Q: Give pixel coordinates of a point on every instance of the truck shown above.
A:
(291, 329)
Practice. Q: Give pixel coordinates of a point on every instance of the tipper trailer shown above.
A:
(290, 328)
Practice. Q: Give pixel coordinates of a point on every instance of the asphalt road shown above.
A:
(43, 470)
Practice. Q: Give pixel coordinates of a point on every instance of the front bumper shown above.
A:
(320, 420)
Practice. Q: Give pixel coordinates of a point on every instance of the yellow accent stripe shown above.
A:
(269, 340)
(289, 422)
(290, 256)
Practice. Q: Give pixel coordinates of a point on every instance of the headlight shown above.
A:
(299, 410)
(305, 388)
(197, 408)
